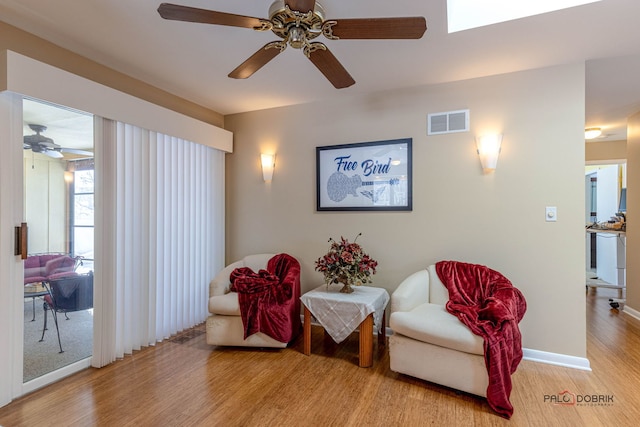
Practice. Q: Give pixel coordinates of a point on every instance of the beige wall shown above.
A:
(633, 206)
(46, 203)
(458, 213)
(34, 47)
(605, 152)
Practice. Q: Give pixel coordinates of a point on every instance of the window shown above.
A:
(467, 14)
(82, 212)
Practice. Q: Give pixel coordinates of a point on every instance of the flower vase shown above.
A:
(346, 288)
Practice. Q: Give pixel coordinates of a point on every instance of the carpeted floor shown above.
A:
(76, 335)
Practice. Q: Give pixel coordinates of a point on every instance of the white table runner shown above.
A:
(340, 314)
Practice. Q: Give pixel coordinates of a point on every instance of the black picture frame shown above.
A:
(365, 176)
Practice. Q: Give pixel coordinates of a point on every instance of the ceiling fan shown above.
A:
(41, 144)
(297, 22)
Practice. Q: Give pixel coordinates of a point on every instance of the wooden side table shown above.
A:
(340, 314)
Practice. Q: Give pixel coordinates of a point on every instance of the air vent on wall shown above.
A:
(448, 122)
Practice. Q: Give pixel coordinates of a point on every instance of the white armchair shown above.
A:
(224, 324)
(431, 344)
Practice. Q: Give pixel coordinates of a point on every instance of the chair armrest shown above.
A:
(220, 284)
(413, 291)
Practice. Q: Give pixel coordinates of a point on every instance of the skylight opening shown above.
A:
(467, 14)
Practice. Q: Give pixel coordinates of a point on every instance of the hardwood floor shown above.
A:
(184, 382)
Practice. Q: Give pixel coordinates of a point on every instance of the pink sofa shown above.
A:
(42, 268)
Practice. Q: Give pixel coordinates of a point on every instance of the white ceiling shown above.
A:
(68, 128)
(193, 60)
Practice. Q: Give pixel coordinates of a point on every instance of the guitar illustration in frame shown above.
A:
(364, 176)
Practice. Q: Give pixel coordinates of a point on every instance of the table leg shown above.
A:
(382, 334)
(366, 342)
(307, 332)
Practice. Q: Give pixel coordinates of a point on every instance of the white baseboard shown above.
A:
(556, 359)
(631, 312)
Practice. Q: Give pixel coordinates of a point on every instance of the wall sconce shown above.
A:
(68, 177)
(488, 150)
(591, 133)
(268, 164)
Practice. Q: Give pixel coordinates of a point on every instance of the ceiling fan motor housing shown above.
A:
(37, 128)
(294, 26)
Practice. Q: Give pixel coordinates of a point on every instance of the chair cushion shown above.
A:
(432, 323)
(226, 304)
(62, 274)
(59, 264)
(44, 259)
(32, 262)
(33, 279)
(33, 271)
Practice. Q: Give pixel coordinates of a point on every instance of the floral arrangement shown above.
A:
(346, 263)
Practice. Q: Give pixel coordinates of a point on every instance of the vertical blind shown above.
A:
(167, 237)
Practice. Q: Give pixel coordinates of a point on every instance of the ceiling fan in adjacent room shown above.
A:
(297, 22)
(39, 143)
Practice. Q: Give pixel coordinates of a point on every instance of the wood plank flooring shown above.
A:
(185, 382)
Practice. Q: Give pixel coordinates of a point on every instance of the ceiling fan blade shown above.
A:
(52, 153)
(76, 151)
(177, 12)
(301, 5)
(329, 65)
(257, 60)
(37, 139)
(375, 28)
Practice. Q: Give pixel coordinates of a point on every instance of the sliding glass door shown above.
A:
(58, 208)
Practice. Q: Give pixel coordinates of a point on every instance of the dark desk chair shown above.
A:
(66, 295)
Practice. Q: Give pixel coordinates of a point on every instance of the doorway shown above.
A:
(605, 209)
(58, 172)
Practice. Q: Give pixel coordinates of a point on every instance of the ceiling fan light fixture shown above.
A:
(591, 133)
(297, 37)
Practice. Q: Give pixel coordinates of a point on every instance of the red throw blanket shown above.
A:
(270, 299)
(491, 307)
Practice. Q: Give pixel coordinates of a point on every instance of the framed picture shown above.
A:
(367, 176)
